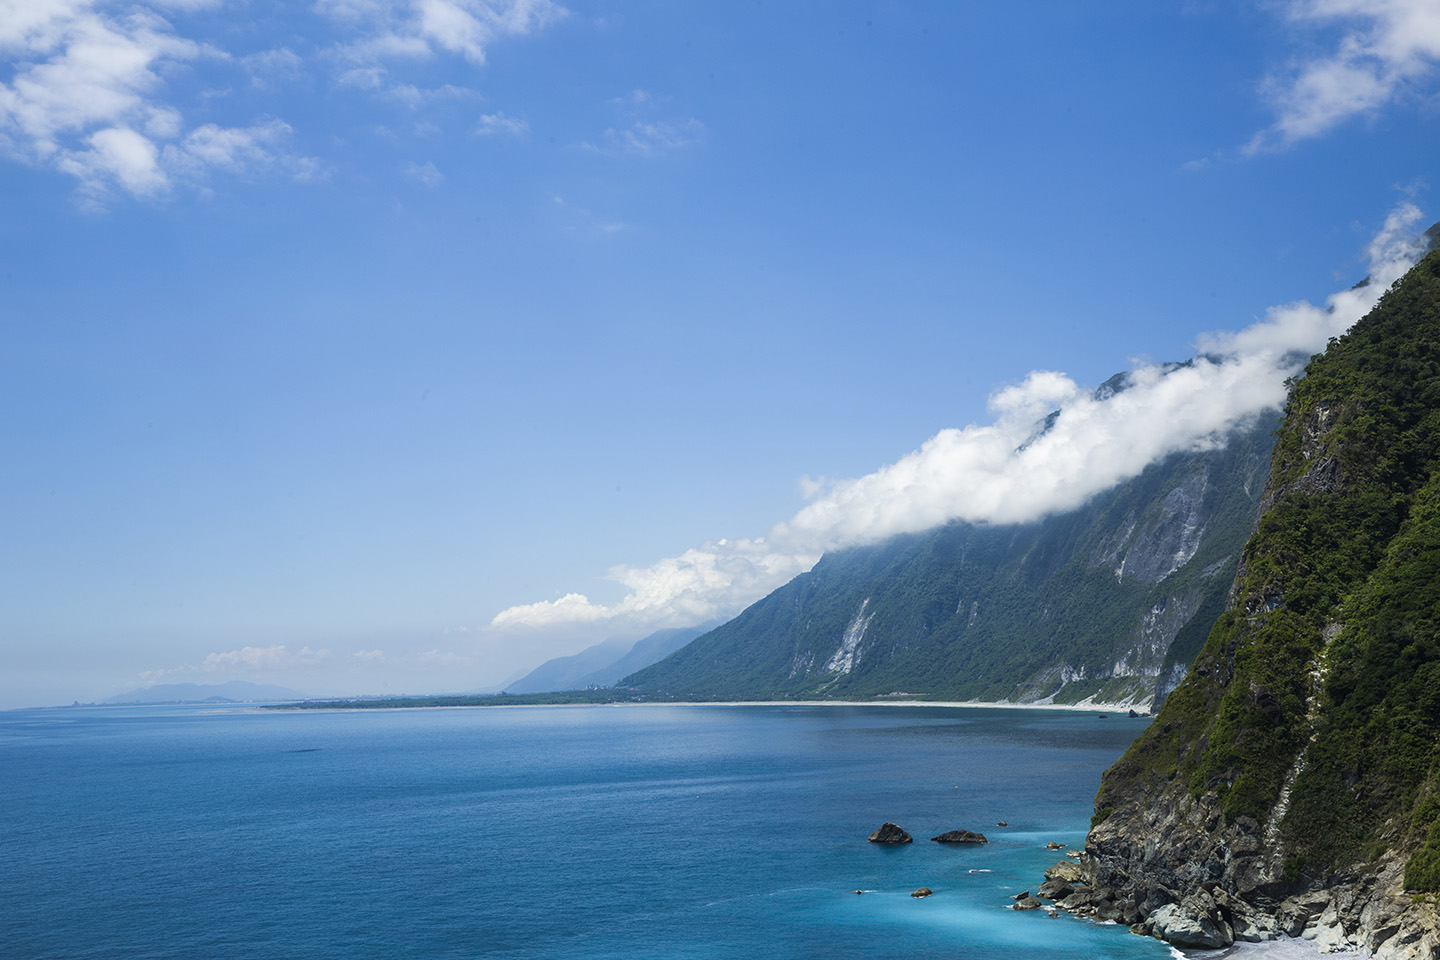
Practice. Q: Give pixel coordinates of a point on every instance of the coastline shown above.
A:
(1120, 710)
(1107, 708)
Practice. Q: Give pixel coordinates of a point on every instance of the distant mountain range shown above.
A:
(605, 663)
(236, 691)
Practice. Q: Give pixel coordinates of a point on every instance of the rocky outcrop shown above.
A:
(922, 893)
(960, 836)
(890, 833)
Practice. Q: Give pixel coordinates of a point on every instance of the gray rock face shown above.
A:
(890, 833)
(1188, 928)
(1154, 545)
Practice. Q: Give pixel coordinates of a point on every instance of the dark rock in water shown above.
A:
(859, 891)
(922, 892)
(1054, 890)
(1134, 714)
(1104, 716)
(1021, 896)
(960, 836)
(890, 833)
(1002, 823)
(1029, 903)
(1052, 845)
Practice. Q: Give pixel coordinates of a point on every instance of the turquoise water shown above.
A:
(550, 832)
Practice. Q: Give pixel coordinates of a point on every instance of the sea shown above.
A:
(713, 832)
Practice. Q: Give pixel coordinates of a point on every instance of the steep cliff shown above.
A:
(1104, 602)
(1291, 783)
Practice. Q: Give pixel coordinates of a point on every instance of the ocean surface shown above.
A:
(543, 832)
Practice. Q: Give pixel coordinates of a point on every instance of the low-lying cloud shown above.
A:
(1005, 471)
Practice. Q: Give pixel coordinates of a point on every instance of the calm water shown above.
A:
(554, 832)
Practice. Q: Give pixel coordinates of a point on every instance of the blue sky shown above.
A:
(396, 347)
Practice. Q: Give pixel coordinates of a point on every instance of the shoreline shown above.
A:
(1121, 710)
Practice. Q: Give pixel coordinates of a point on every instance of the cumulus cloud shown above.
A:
(1005, 471)
(86, 98)
(1387, 49)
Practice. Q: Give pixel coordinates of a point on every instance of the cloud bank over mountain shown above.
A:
(1004, 471)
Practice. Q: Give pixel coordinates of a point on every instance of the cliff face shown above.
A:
(1291, 783)
(1105, 602)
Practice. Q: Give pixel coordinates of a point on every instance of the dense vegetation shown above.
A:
(991, 613)
(1329, 661)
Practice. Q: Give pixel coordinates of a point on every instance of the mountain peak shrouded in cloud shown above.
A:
(1006, 471)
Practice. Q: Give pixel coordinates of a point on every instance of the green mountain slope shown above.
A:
(1102, 602)
(1293, 778)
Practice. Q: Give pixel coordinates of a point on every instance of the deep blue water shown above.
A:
(550, 832)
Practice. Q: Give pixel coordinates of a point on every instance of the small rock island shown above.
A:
(890, 833)
(960, 836)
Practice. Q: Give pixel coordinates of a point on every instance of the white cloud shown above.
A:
(1388, 48)
(499, 124)
(1002, 471)
(123, 153)
(417, 29)
(86, 99)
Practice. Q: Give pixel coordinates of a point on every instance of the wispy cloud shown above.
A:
(582, 222)
(1387, 50)
(642, 133)
(649, 138)
(1002, 472)
(87, 98)
(246, 660)
(426, 173)
(499, 124)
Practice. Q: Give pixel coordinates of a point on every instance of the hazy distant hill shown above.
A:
(234, 691)
(1111, 601)
(604, 663)
(655, 647)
